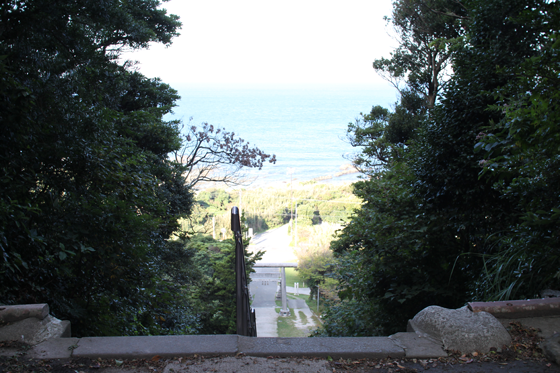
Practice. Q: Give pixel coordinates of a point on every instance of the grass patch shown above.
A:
(303, 317)
(286, 327)
(312, 304)
(292, 276)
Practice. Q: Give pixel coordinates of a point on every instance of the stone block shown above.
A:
(551, 348)
(35, 331)
(55, 348)
(9, 314)
(545, 326)
(346, 348)
(513, 309)
(148, 346)
(461, 329)
(416, 346)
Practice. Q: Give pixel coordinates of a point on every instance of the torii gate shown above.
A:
(285, 311)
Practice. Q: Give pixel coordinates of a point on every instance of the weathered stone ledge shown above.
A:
(518, 309)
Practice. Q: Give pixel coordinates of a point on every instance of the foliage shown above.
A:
(383, 136)
(521, 157)
(270, 207)
(315, 258)
(87, 194)
(214, 291)
(390, 261)
(438, 224)
(215, 200)
(89, 197)
(425, 30)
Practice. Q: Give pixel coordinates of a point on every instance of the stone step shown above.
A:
(397, 346)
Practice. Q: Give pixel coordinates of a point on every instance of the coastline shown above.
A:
(348, 174)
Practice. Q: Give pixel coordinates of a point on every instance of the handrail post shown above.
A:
(246, 323)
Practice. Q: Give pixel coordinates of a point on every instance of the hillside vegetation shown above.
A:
(462, 199)
(270, 207)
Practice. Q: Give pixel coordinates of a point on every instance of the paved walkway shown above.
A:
(303, 291)
(304, 317)
(267, 322)
(263, 292)
(276, 245)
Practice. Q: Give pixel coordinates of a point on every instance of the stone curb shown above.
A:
(417, 346)
(346, 348)
(400, 345)
(55, 348)
(148, 347)
(20, 312)
(518, 309)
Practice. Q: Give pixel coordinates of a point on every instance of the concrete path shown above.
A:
(304, 317)
(263, 292)
(275, 243)
(267, 322)
(292, 290)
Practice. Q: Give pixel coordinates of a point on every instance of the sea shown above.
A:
(304, 125)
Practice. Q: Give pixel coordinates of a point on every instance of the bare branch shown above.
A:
(212, 154)
(448, 12)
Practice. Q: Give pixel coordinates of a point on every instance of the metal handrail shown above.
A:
(246, 320)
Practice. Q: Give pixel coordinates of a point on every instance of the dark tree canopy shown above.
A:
(88, 194)
(469, 209)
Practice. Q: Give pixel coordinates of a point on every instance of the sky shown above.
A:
(263, 41)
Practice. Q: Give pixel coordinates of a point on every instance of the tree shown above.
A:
(428, 32)
(447, 166)
(215, 155)
(439, 224)
(520, 156)
(214, 291)
(315, 259)
(425, 30)
(382, 136)
(88, 195)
